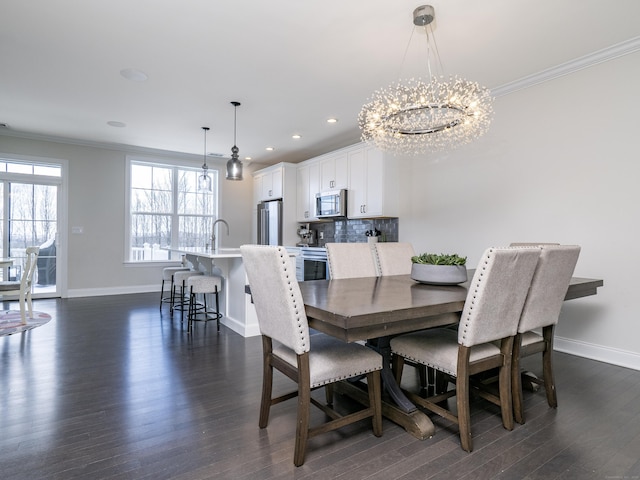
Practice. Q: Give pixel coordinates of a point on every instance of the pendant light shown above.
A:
(234, 165)
(204, 180)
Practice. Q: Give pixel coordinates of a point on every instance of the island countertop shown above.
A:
(208, 253)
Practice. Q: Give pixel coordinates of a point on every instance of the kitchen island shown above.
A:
(235, 305)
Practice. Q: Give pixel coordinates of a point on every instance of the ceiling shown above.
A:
(292, 64)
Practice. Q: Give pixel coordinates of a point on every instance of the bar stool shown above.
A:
(179, 300)
(204, 284)
(167, 276)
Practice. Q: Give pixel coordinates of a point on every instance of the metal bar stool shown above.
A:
(167, 276)
(205, 284)
(179, 298)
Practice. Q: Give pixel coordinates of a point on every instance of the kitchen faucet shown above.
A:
(213, 232)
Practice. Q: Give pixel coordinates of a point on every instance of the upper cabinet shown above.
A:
(334, 171)
(268, 183)
(308, 186)
(370, 177)
(366, 194)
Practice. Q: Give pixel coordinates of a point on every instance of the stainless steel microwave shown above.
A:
(331, 204)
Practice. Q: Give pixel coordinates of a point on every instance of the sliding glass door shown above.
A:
(30, 199)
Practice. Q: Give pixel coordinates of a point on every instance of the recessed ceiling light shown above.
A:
(248, 158)
(134, 74)
(113, 123)
(296, 137)
(270, 149)
(332, 120)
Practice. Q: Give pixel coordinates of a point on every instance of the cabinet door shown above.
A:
(257, 188)
(334, 172)
(314, 187)
(374, 204)
(302, 206)
(357, 195)
(276, 183)
(271, 184)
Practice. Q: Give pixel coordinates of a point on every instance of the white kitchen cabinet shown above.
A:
(308, 186)
(268, 184)
(366, 193)
(334, 173)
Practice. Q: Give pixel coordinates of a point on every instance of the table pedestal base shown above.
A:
(417, 423)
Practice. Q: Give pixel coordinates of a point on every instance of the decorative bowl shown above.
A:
(439, 274)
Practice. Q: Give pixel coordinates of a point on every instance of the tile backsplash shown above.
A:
(353, 231)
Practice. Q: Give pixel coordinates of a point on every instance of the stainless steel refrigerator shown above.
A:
(270, 223)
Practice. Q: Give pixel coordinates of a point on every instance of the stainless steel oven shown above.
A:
(312, 264)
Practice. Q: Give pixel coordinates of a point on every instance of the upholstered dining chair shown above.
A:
(492, 309)
(23, 288)
(313, 361)
(351, 260)
(394, 258)
(541, 311)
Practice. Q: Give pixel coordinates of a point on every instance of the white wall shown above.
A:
(560, 164)
(97, 203)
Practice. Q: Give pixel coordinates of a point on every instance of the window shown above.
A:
(166, 208)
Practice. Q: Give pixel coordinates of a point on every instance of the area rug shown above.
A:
(10, 321)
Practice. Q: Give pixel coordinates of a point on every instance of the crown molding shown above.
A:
(618, 50)
(121, 147)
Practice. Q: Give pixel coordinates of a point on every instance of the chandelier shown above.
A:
(419, 116)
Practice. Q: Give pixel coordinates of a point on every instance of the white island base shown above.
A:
(239, 313)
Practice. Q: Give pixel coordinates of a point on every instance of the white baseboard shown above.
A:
(101, 292)
(240, 328)
(614, 356)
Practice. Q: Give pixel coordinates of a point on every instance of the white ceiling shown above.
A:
(291, 63)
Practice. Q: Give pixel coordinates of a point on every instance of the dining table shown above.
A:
(374, 309)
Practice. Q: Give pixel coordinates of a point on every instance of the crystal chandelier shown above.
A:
(420, 116)
(234, 165)
(204, 180)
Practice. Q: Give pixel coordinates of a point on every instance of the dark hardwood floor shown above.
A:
(112, 389)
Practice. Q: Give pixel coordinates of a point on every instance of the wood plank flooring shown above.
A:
(113, 389)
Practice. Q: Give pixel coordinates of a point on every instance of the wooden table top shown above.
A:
(371, 307)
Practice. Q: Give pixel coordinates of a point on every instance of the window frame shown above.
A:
(176, 167)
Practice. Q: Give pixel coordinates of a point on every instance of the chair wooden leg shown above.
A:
(328, 393)
(267, 382)
(547, 366)
(304, 406)
(462, 399)
(506, 402)
(375, 399)
(516, 382)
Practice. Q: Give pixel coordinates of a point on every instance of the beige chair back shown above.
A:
(549, 286)
(497, 294)
(394, 258)
(276, 295)
(351, 260)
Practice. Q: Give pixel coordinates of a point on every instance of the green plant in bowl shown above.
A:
(440, 269)
(442, 259)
